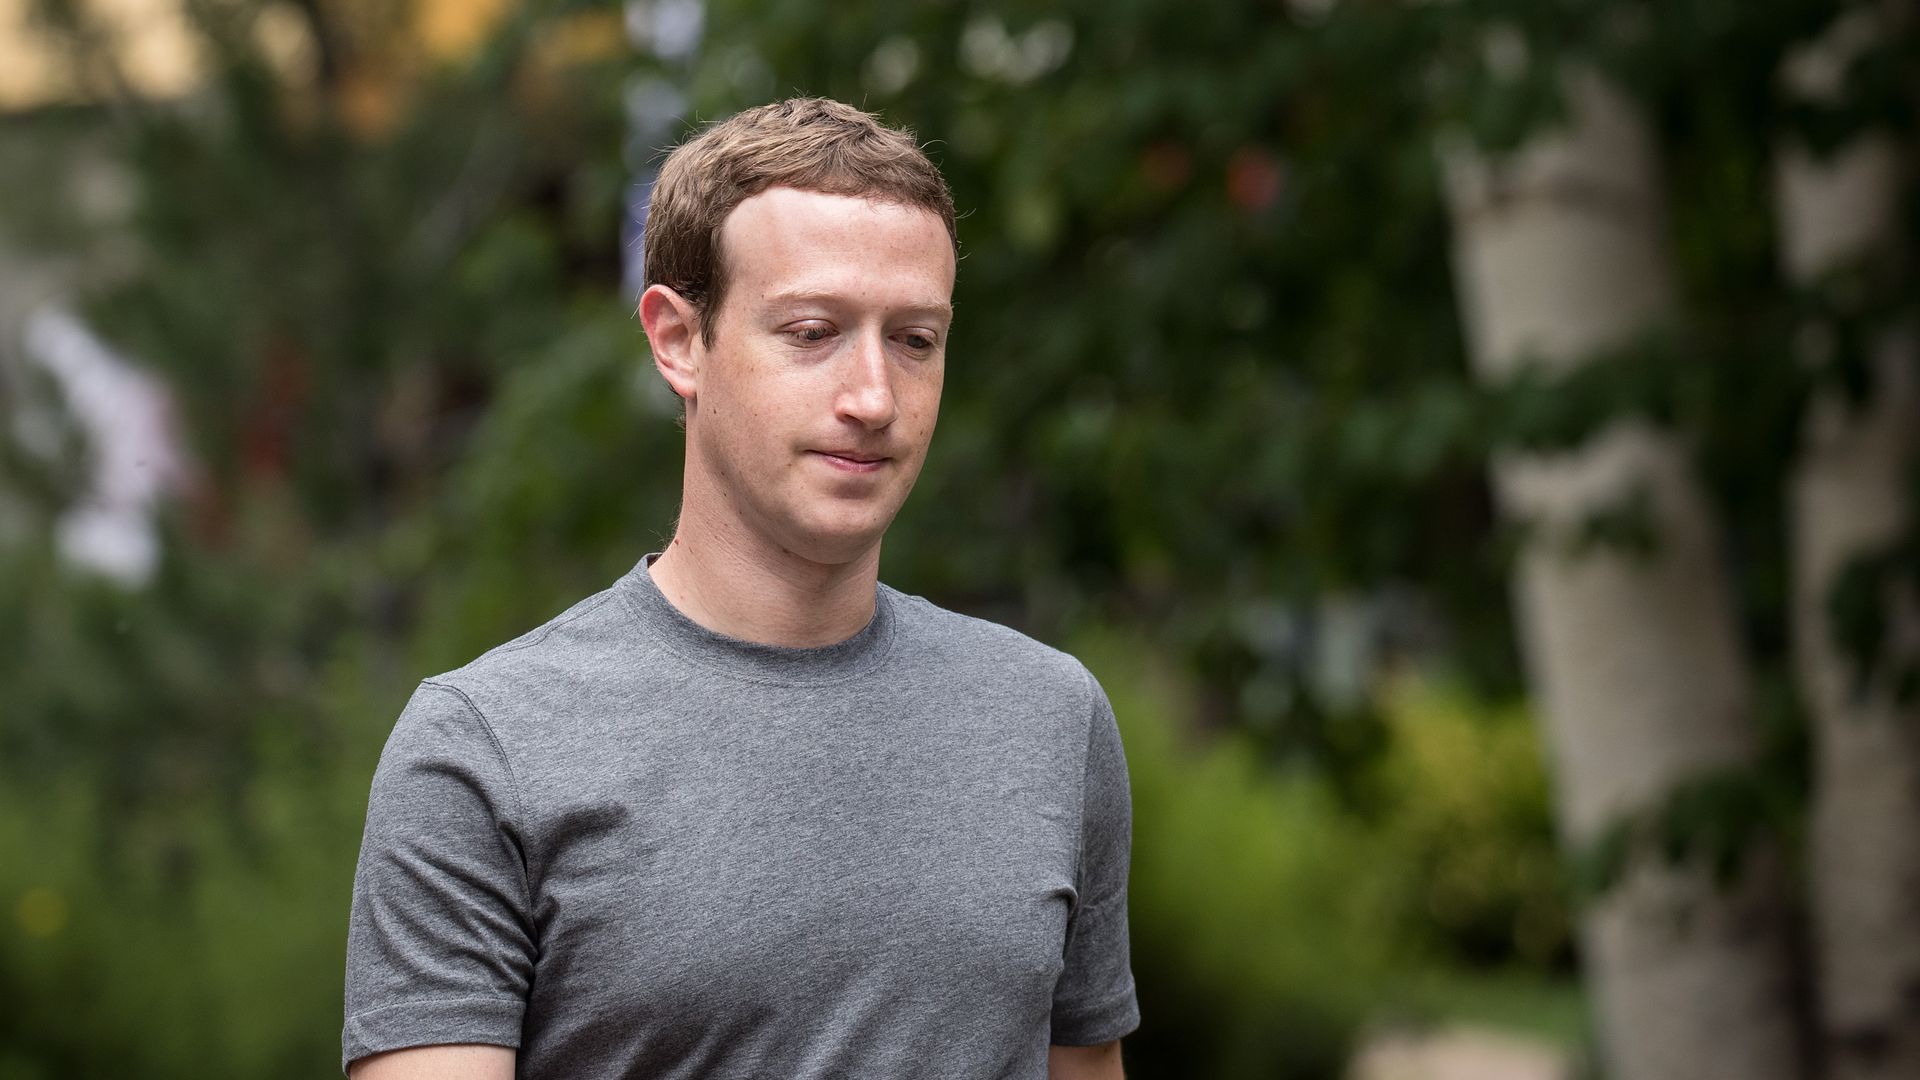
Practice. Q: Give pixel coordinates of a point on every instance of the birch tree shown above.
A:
(1838, 218)
(1633, 655)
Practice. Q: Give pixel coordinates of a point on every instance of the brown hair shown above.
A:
(814, 144)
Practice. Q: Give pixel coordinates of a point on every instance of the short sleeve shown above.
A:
(440, 944)
(1094, 1000)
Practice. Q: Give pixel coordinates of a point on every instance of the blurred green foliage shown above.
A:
(1206, 375)
(1272, 918)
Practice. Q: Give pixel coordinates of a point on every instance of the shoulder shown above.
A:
(964, 644)
(538, 677)
(577, 643)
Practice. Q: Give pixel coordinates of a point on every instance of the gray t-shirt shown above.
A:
(633, 847)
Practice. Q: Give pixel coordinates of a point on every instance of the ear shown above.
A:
(673, 330)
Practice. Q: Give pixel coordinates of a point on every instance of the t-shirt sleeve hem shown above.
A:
(494, 1021)
(1117, 1016)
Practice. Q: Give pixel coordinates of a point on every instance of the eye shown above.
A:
(812, 333)
(918, 340)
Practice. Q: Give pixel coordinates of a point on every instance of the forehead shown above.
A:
(784, 241)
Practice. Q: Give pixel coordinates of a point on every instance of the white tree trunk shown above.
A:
(1560, 250)
(1848, 498)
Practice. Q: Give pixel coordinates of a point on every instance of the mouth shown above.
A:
(852, 460)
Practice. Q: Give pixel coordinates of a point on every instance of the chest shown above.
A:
(702, 876)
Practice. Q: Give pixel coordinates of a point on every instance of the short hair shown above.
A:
(814, 144)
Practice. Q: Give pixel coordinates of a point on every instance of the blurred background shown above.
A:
(1471, 441)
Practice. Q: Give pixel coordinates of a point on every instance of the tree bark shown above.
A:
(1634, 657)
(1848, 499)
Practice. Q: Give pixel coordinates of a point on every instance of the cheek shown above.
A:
(745, 392)
(925, 403)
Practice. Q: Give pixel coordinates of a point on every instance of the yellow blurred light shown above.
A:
(582, 39)
(147, 42)
(42, 912)
(454, 28)
(31, 71)
(370, 102)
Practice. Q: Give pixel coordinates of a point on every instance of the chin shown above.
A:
(835, 543)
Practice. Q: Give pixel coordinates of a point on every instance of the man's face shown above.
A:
(818, 396)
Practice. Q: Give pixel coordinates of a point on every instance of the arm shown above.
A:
(440, 939)
(465, 1062)
(1094, 1002)
(1084, 1062)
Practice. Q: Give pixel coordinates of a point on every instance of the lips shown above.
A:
(852, 460)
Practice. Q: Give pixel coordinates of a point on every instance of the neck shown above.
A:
(736, 583)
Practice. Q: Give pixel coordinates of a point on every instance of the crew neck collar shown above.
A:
(752, 660)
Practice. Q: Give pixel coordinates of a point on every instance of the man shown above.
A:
(749, 813)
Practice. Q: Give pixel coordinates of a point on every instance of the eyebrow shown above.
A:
(938, 308)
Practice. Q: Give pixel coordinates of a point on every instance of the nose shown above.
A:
(866, 395)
